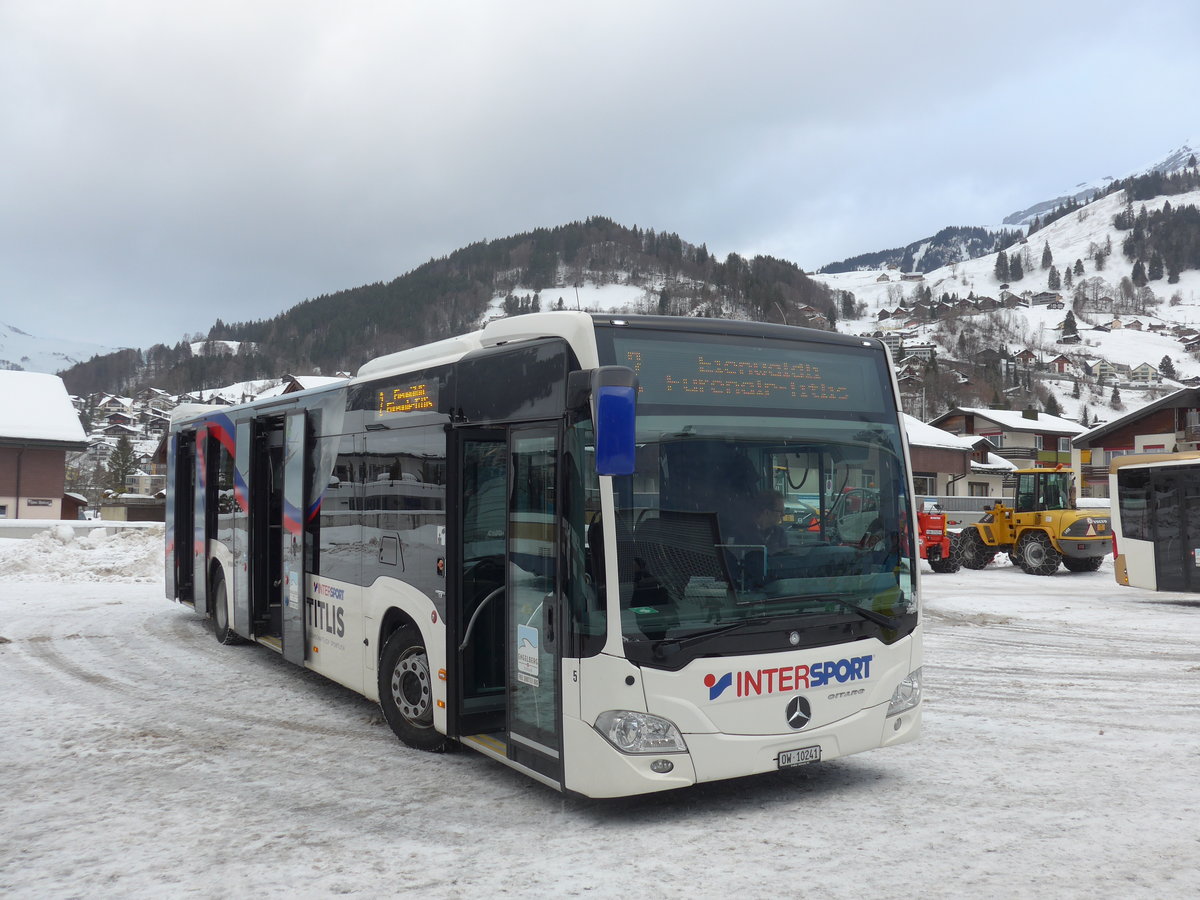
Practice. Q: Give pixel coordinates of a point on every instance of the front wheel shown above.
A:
(406, 690)
(1035, 554)
(1088, 564)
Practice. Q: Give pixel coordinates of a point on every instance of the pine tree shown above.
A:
(1002, 271)
(1070, 326)
(1015, 270)
(1078, 268)
(1047, 256)
(1138, 277)
(1115, 400)
(1167, 368)
(121, 464)
(1083, 418)
(1068, 278)
(1051, 407)
(1075, 390)
(1053, 282)
(1155, 269)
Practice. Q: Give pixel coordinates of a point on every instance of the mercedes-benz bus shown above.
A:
(569, 541)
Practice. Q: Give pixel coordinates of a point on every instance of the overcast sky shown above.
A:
(160, 169)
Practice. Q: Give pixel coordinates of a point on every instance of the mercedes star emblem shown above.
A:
(798, 712)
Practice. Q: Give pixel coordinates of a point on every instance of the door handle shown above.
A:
(548, 618)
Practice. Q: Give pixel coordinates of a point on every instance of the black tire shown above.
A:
(970, 550)
(945, 565)
(406, 690)
(1087, 564)
(218, 603)
(1036, 555)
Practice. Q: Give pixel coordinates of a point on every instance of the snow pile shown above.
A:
(130, 556)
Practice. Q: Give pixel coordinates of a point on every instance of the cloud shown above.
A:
(163, 166)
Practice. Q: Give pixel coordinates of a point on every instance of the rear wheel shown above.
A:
(1036, 555)
(1088, 564)
(970, 550)
(944, 564)
(219, 604)
(406, 690)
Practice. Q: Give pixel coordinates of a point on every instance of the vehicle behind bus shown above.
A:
(619, 555)
(1156, 520)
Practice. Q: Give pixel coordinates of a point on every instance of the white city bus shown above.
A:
(1156, 520)
(558, 541)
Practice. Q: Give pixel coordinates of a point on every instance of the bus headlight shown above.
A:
(907, 694)
(637, 732)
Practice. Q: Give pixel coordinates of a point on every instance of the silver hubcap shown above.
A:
(411, 688)
(1035, 553)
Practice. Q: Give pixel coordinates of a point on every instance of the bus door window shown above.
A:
(532, 592)
(586, 585)
(484, 485)
(339, 531)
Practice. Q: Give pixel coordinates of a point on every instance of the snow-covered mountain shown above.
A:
(31, 353)
(1037, 326)
(1084, 191)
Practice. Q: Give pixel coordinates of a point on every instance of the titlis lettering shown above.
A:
(326, 616)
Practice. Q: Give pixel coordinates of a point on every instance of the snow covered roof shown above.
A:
(922, 435)
(1184, 398)
(293, 383)
(994, 464)
(36, 407)
(1014, 420)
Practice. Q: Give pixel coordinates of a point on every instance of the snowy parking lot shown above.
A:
(1060, 758)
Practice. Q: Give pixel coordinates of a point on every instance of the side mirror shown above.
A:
(614, 414)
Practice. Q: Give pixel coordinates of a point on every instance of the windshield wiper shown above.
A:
(675, 644)
(869, 614)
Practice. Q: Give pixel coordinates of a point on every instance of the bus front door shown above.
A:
(532, 601)
(503, 610)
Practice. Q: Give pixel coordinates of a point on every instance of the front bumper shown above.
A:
(597, 769)
(1089, 548)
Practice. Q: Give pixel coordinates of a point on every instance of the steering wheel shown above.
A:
(872, 537)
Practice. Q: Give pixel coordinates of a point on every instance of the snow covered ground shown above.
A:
(1060, 758)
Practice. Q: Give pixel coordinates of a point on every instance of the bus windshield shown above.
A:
(752, 517)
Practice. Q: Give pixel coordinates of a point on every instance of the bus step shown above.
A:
(488, 744)
(270, 640)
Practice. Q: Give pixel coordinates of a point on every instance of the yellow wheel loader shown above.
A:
(1040, 529)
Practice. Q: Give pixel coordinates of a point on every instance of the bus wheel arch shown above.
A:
(406, 687)
(218, 605)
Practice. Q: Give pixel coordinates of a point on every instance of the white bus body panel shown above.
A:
(753, 729)
(334, 629)
(748, 695)
(1136, 559)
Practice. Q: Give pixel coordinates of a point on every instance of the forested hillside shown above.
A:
(948, 246)
(450, 295)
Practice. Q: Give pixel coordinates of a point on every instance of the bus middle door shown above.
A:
(292, 592)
